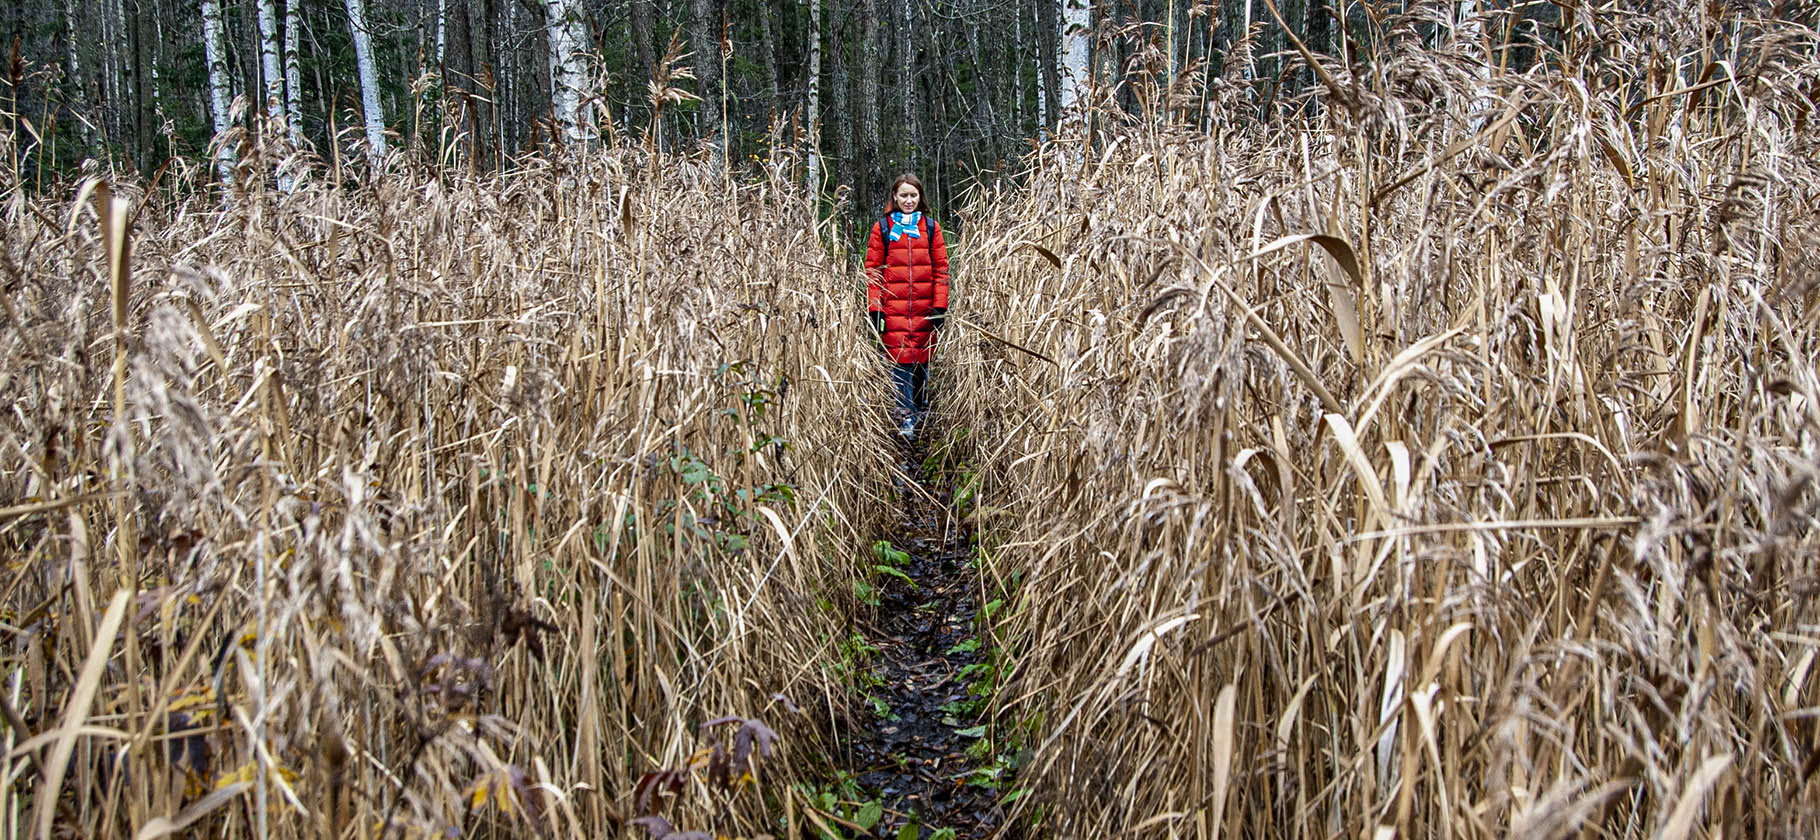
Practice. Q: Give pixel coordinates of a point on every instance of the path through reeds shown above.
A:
(920, 744)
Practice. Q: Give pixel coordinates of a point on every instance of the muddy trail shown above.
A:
(918, 746)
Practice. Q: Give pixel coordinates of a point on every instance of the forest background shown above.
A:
(953, 90)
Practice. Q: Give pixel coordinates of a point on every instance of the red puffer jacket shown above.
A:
(907, 281)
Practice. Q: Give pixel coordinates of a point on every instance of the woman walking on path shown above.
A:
(907, 294)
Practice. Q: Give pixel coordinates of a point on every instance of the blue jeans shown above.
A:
(912, 389)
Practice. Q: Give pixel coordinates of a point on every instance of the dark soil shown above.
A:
(915, 756)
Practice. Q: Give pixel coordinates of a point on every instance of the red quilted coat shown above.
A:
(907, 282)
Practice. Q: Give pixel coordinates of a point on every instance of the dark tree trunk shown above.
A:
(642, 40)
(767, 60)
(704, 42)
(896, 124)
(145, 99)
(869, 151)
(107, 87)
(840, 114)
(1317, 32)
(14, 99)
(1047, 31)
(458, 68)
(486, 81)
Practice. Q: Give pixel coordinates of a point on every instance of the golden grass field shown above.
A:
(1440, 463)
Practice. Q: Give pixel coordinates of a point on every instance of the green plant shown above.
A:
(966, 491)
(865, 592)
(844, 798)
(880, 707)
(891, 563)
(889, 555)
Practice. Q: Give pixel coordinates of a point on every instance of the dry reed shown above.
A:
(1441, 466)
(439, 503)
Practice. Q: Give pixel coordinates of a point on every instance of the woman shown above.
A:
(907, 293)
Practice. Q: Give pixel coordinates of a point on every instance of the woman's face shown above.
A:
(908, 197)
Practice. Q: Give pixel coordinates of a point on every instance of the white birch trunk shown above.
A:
(1077, 24)
(815, 97)
(152, 66)
(369, 80)
(908, 48)
(1017, 68)
(214, 51)
(442, 32)
(272, 73)
(293, 73)
(1245, 32)
(1018, 97)
(568, 32)
(1469, 30)
(270, 68)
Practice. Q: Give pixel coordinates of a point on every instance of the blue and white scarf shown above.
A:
(906, 224)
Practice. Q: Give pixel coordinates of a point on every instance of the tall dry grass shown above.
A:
(436, 504)
(1440, 466)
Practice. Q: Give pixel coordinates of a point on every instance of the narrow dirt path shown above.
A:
(911, 749)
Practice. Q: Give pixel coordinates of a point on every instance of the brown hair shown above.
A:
(922, 194)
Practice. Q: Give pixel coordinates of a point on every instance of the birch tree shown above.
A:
(905, 43)
(272, 76)
(112, 87)
(814, 105)
(293, 74)
(1470, 36)
(568, 32)
(76, 72)
(269, 64)
(369, 79)
(1251, 67)
(1077, 23)
(215, 53)
(442, 32)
